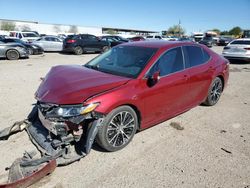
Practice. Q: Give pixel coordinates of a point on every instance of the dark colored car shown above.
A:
(13, 51)
(137, 38)
(223, 41)
(79, 44)
(131, 87)
(208, 41)
(33, 48)
(113, 41)
(119, 38)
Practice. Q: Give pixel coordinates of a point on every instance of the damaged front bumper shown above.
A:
(58, 143)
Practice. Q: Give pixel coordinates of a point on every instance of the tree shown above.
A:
(236, 31)
(216, 31)
(73, 29)
(176, 30)
(8, 26)
(25, 28)
(111, 31)
(224, 33)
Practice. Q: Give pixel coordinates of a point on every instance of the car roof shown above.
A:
(158, 44)
(243, 39)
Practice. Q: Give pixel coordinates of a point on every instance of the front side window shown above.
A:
(170, 62)
(127, 61)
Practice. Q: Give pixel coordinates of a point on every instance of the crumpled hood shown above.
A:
(67, 84)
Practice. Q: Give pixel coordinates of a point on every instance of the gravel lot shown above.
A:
(161, 156)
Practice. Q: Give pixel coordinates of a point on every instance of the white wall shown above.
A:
(52, 29)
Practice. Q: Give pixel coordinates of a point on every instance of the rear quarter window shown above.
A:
(195, 55)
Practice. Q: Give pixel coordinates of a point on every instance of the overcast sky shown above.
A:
(156, 15)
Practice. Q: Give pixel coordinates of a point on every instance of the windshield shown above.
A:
(29, 35)
(126, 61)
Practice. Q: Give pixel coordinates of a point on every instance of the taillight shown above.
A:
(226, 48)
(71, 41)
(247, 48)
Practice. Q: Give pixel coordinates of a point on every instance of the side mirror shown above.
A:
(152, 80)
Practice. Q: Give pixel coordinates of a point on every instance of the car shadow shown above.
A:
(239, 62)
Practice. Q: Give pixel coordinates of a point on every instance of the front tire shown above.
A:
(118, 129)
(214, 92)
(12, 55)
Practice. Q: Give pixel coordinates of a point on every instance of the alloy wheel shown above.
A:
(121, 129)
(216, 91)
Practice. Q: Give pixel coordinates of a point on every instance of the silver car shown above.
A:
(238, 49)
(50, 43)
(13, 51)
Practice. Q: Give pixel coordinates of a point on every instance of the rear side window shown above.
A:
(170, 62)
(195, 56)
(243, 42)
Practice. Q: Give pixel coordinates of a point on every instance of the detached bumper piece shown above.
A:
(54, 152)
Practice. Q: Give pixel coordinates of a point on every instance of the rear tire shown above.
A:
(214, 92)
(78, 50)
(118, 129)
(12, 55)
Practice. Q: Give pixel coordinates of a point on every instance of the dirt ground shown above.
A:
(213, 149)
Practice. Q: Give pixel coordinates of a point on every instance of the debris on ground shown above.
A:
(223, 131)
(176, 125)
(226, 150)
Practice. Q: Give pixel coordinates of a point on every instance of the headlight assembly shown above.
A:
(71, 111)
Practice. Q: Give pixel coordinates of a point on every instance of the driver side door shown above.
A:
(167, 97)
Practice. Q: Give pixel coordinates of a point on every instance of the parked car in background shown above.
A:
(223, 41)
(238, 49)
(137, 38)
(153, 37)
(33, 48)
(13, 51)
(208, 41)
(50, 43)
(113, 41)
(187, 39)
(119, 38)
(81, 43)
(169, 78)
(25, 36)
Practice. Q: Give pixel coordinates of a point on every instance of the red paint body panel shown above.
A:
(172, 95)
(74, 84)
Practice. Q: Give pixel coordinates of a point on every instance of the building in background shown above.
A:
(55, 29)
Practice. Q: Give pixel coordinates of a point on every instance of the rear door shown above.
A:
(201, 69)
(169, 95)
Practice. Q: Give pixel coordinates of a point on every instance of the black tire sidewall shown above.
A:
(102, 132)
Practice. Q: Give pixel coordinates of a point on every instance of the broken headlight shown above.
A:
(71, 111)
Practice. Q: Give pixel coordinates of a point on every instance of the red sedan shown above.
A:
(131, 87)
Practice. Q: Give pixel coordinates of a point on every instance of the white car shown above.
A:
(238, 49)
(50, 43)
(25, 36)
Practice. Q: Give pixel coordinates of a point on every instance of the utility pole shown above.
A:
(179, 28)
